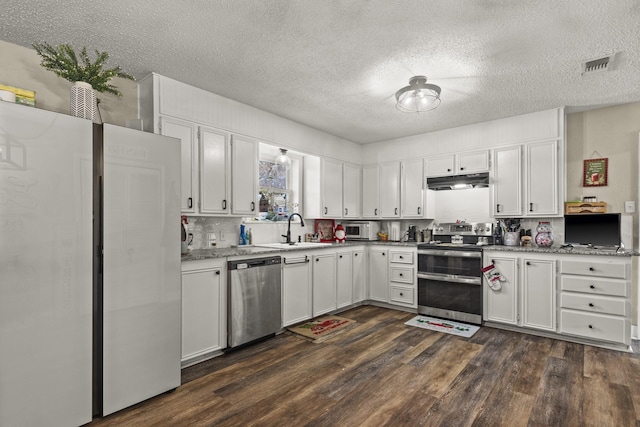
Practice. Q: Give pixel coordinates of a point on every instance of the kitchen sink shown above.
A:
(293, 245)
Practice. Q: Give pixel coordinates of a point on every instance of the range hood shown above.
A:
(459, 182)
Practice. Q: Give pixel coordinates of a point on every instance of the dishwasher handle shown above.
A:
(252, 263)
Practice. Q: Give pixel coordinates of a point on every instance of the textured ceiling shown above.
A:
(335, 65)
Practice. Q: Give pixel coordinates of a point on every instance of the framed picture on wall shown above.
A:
(594, 173)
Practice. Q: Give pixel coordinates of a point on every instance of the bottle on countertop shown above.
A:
(249, 237)
(242, 239)
(497, 234)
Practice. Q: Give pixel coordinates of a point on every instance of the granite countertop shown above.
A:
(562, 250)
(200, 254)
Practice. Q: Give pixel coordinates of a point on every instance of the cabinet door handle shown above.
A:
(375, 212)
(189, 202)
(224, 204)
(326, 211)
(498, 207)
(462, 168)
(530, 207)
(355, 254)
(590, 304)
(419, 210)
(448, 170)
(317, 259)
(340, 256)
(395, 211)
(590, 326)
(528, 263)
(383, 254)
(346, 211)
(253, 206)
(218, 273)
(493, 261)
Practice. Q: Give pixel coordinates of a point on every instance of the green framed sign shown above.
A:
(595, 172)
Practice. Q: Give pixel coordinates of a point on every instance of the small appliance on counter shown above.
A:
(412, 234)
(361, 230)
(395, 234)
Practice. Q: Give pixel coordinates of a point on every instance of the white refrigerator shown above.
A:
(89, 267)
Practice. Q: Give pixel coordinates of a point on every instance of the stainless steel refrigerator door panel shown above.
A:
(254, 302)
(142, 291)
(46, 267)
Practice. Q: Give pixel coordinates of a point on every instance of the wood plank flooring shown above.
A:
(384, 373)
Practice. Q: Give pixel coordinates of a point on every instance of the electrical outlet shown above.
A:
(629, 206)
(223, 236)
(212, 244)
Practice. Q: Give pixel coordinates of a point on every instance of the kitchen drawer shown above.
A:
(402, 275)
(595, 326)
(594, 304)
(401, 257)
(402, 295)
(596, 268)
(595, 286)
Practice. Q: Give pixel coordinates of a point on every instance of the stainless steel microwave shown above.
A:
(361, 230)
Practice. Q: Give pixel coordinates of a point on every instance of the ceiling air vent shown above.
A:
(599, 65)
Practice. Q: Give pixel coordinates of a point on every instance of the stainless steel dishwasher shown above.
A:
(255, 299)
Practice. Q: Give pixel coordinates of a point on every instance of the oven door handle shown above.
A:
(451, 278)
(459, 254)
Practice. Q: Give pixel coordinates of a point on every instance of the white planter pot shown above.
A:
(83, 101)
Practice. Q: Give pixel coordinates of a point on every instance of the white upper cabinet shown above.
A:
(352, 190)
(542, 179)
(412, 196)
(457, 164)
(331, 183)
(214, 171)
(371, 191)
(530, 191)
(507, 184)
(390, 190)
(244, 175)
(186, 133)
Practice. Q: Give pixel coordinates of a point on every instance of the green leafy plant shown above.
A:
(64, 62)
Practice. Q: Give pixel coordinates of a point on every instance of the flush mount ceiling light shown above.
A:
(283, 159)
(418, 97)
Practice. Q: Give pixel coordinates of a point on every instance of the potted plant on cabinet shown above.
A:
(87, 76)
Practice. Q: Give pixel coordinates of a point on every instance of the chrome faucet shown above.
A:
(288, 235)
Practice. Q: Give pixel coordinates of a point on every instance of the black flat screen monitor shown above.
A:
(592, 229)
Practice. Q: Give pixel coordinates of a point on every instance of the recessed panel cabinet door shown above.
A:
(502, 305)
(344, 279)
(379, 274)
(214, 182)
(186, 133)
(507, 184)
(390, 190)
(371, 191)
(296, 288)
(542, 179)
(412, 189)
(539, 294)
(244, 175)
(331, 188)
(352, 190)
(324, 283)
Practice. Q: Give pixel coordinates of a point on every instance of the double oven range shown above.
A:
(450, 271)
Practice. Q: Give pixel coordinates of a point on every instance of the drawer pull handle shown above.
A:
(592, 286)
(590, 304)
(590, 326)
(592, 269)
(383, 254)
(401, 276)
(401, 294)
(401, 257)
(340, 256)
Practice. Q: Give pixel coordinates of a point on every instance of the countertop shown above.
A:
(200, 254)
(563, 250)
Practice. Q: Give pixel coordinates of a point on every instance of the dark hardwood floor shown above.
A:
(384, 373)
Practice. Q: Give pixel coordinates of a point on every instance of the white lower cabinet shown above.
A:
(204, 314)
(595, 298)
(296, 287)
(527, 297)
(359, 275)
(379, 273)
(344, 279)
(324, 282)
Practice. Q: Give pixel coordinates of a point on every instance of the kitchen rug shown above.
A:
(323, 328)
(446, 326)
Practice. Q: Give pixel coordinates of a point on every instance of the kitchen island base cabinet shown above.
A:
(296, 288)
(203, 310)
